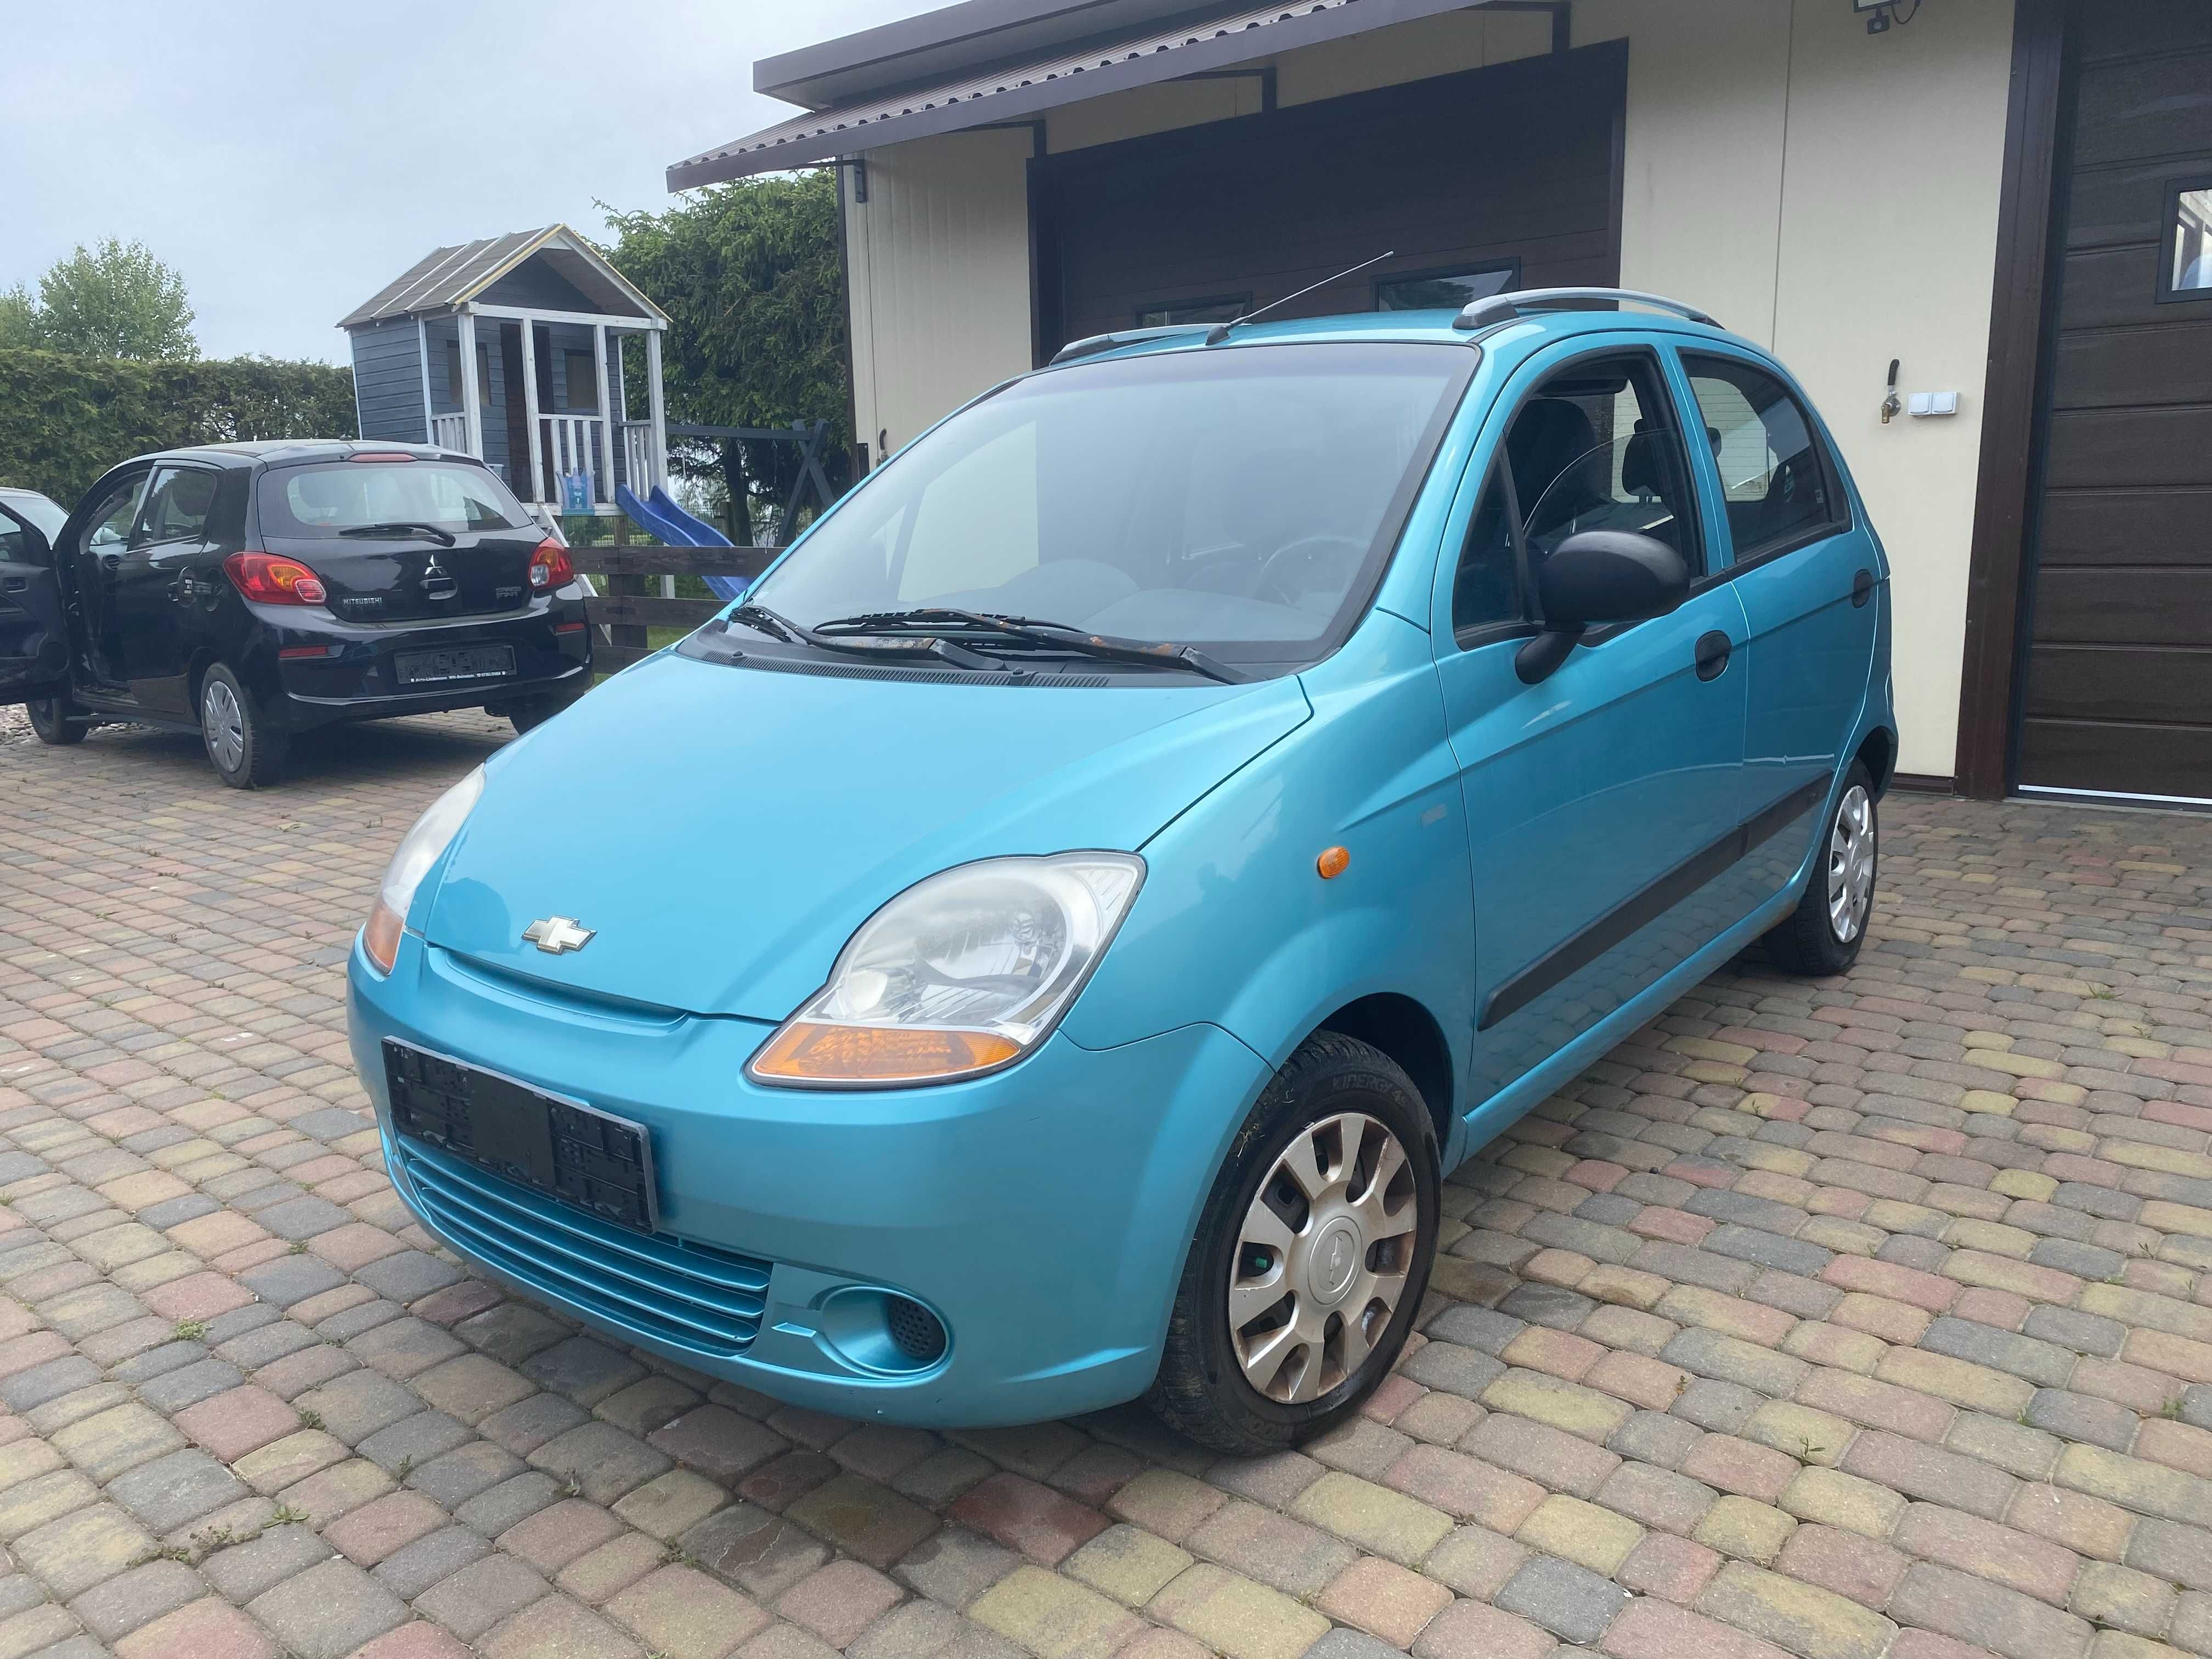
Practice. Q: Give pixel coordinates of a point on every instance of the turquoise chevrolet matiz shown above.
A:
(1046, 944)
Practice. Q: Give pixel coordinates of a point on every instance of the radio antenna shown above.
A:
(1221, 330)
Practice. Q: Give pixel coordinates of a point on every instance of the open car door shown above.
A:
(34, 650)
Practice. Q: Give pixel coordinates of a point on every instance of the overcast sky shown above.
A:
(291, 159)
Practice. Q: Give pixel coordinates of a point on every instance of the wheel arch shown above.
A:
(1408, 1033)
(1879, 750)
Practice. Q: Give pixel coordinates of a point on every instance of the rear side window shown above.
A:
(342, 496)
(1778, 480)
(177, 506)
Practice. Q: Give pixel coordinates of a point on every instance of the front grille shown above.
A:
(693, 1295)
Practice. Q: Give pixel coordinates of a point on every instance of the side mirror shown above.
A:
(1596, 577)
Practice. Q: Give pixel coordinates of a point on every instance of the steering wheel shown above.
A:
(1314, 563)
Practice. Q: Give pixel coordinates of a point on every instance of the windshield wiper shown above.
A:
(762, 620)
(1054, 636)
(399, 527)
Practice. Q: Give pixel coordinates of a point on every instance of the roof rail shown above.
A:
(1504, 307)
(1097, 343)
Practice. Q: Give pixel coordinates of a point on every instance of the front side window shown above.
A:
(177, 506)
(1595, 447)
(41, 515)
(109, 528)
(1773, 473)
(329, 500)
(1239, 499)
(2185, 272)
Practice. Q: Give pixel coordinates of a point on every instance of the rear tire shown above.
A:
(527, 714)
(1823, 935)
(57, 721)
(245, 751)
(1319, 1247)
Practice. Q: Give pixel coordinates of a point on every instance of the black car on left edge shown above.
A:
(254, 593)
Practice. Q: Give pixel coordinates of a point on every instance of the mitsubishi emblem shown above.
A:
(557, 933)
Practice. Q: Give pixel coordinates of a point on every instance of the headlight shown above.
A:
(432, 834)
(961, 973)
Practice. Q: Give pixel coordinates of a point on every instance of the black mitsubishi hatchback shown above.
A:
(256, 591)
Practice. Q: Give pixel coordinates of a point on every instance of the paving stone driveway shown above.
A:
(1844, 1319)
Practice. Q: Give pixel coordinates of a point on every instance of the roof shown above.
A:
(447, 278)
(973, 84)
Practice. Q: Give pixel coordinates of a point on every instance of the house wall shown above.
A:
(1831, 194)
(388, 381)
(443, 332)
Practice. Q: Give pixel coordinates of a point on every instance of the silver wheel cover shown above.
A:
(1850, 864)
(224, 723)
(1322, 1258)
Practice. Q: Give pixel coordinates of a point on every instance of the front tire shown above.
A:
(56, 722)
(1823, 935)
(245, 751)
(1311, 1256)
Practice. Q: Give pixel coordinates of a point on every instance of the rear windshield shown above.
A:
(342, 496)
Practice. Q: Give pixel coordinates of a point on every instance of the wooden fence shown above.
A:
(632, 603)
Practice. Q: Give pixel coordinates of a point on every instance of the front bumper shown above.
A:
(1042, 1213)
(357, 676)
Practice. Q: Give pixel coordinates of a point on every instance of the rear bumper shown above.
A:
(1042, 1213)
(357, 676)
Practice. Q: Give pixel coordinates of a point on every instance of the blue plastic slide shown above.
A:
(660, 516)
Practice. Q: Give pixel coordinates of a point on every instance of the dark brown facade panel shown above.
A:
(2124, 203)
(2130, 448)
(2140, 367)
(2115, 288)
(2146, 107)
(2124, 759)
(2119, 683)
(2168, 605)
(2138, 28)
(2128, 527)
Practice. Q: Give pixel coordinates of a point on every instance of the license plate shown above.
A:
(600, 1163)
(455, 664)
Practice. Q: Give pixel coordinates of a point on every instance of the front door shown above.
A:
(34, 631)
(1599, 799)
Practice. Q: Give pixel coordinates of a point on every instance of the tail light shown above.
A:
(551, 567)
(267, 580)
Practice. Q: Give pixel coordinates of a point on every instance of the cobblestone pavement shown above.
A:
(1865, 1317)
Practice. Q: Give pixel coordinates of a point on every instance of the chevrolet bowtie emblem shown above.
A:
(557, 933)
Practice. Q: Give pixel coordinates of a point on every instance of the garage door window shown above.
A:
(1773, 471)
(1436, 290)
(2185, 273)
(1222, 309)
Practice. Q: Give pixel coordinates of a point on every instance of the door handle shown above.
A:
(18, 584)
(1713, 650)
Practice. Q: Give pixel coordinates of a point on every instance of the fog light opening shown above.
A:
(915, 1331)
(882, 1331)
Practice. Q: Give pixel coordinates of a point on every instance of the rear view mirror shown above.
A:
(1596, 577)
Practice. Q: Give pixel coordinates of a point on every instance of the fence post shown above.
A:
(632, 635)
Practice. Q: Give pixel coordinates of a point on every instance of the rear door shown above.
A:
(34, 650)
(397, 540)
(149, 585)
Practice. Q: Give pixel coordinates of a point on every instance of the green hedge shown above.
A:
(64, 419)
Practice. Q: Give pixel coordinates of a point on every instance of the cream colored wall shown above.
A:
(1828, 193)
(939, 258)
(1838, 203)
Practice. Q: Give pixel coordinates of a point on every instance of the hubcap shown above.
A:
(224, 722)
(1850, 864)
(1322, 1258)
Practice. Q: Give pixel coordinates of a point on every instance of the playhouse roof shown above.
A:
(448, 277)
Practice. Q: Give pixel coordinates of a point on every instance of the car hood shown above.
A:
(723, 830)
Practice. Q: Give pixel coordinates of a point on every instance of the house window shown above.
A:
(580, 383)
(2185, 272)
(1435, 290)
(1221, 308)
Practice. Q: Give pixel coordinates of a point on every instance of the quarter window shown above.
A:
(177, 506)
(1774, 475)
(1595, 447)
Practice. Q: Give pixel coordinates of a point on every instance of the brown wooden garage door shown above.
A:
(1516, 161)
(2119, 674)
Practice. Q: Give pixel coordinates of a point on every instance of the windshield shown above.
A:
(342, 496)
(1237, 500)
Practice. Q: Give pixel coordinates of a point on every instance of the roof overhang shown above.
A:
(1020, 90)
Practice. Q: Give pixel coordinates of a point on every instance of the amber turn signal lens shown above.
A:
(1334, 862)
(380, 938)
(806, 1053)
